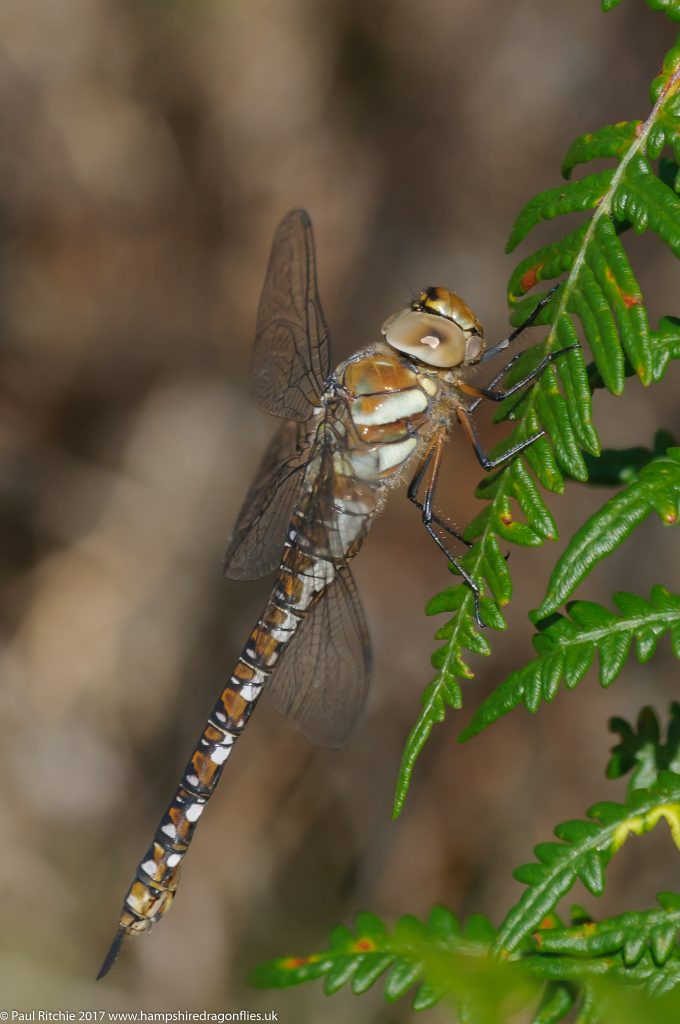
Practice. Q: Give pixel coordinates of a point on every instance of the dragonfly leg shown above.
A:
(502, 345)
(498, 394)
(412, 495)
(433, 457)
(484, 460)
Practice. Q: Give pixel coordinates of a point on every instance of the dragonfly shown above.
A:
(346, 439)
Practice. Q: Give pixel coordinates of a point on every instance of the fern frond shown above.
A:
(656, 489)
(583, 852)
(665, 347)
(607, 982)
(362, 956)
(599, 291)
(631, 934)
(641, 751)
(613, 140)
(438, 960)
(566, 649)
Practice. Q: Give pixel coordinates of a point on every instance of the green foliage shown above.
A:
(632, 935)
(665, 347)
(655, 489)
(583, 853)
(405, 954)
(598, 294)
(641, 752)
(533, 960)
(566, 648)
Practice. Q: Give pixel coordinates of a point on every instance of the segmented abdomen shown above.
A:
(301, 580)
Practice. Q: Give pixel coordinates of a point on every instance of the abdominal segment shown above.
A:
(301, 580)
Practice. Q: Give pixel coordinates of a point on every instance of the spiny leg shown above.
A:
(483, 459)
(497, 395)
(502, 345)
(485, 462)
(412, 495)
(433, 458)
(464, 413)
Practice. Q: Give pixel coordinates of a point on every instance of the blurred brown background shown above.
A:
(148, 150)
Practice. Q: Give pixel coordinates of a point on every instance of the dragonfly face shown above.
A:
(438, 329)
(344, 441)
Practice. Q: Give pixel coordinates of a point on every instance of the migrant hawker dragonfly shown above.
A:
(347, 437)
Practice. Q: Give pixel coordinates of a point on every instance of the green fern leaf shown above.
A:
(630, 934)
(566, 648)
(557, 1003)
(583, 845)
(574, 197)
(648, 203)
(601, 293)
(641, 752)
(613, 140)
(362, 956)
(444, 962)
(664, 345)
(613, 991)
(656, 489)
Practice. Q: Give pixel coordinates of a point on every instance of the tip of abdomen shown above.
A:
(112, 955)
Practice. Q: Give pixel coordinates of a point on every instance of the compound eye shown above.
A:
(427, 337)
(474, 349)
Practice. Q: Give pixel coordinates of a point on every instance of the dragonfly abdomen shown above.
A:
(301, 580)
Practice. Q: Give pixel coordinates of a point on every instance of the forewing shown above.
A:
(257, 539)
(291, 358)
(323, 677)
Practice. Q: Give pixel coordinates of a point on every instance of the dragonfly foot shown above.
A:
(478, 606)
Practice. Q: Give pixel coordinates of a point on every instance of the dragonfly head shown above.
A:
(438, 328)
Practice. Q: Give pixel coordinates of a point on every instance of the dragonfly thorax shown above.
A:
(438, 329)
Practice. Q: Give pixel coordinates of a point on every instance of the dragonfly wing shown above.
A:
(260, 531)
(291, 357)
(323, 678)
(338, 507)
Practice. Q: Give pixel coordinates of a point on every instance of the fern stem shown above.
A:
(604, 207)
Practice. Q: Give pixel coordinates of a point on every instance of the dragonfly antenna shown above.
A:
(112, 955)
(409, 286)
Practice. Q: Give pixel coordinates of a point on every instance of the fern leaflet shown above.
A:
(630, 934)
(641, 751)
(656, 489)
(584, 850)
(566, 648)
